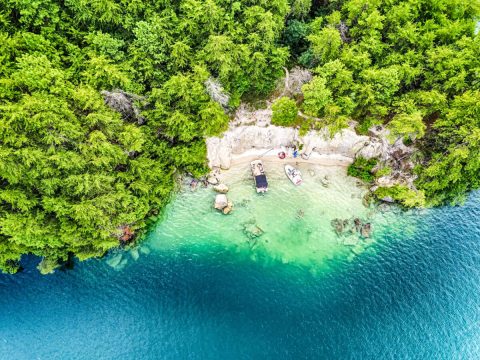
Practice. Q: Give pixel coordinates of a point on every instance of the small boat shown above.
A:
(293, 174)
(259, 176)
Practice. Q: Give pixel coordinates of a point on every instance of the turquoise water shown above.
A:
(199, 291)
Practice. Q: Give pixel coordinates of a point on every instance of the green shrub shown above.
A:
(362, 169)
(366, 124)
(387, 170)
(284, 112)
(402, 194)
(305, 127)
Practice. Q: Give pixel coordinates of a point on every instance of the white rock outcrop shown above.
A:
(245, 115)
(221, 202)
(238, 140)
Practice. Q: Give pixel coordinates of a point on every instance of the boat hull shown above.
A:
(258, 173)
(293, 174)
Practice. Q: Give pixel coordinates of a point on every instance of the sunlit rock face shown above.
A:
(238, 140)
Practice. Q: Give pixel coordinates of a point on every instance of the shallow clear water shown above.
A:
(290, 224)
(202, 288)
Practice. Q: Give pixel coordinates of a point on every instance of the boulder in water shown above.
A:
(228, 209)
(367, 200)
(221, 188)
(221, 202)
(358, 224)
(212, 180)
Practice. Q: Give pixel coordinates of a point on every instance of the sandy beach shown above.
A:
(271, 156)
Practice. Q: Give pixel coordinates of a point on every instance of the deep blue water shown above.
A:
(410, 296)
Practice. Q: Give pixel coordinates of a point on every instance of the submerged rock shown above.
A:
(243, 203)
(356, 227)
(337, 225)
(358, 249)
(366, 230)
(145, 250)
(385, 207)
(252, 230)
(134, 254)
(221, 188)
(121, 265)
(114, 261)
(325, 181)
(340, 226)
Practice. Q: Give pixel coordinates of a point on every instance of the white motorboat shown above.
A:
(293, 174)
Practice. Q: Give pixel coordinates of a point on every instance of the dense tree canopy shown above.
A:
(78, 177)
(454, 167)
(413, 65)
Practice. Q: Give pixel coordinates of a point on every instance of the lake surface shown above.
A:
(208, 286)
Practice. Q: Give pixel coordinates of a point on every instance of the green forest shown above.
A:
(104, 102)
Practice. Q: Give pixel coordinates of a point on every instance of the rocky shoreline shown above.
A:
(251, 135)
(245, 140)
